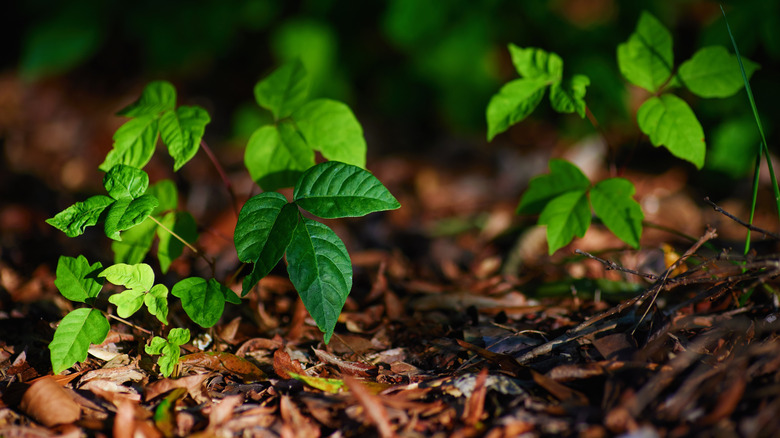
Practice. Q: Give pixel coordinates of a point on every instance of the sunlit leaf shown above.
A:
(569, 96)
(646, 59)
(158, 96)
(127, 302)
(73, 220)
(134, 143)
(513, 103)
(284, 90)
(76, 332)
(181, 131)
(276, 156)
(330, 127)
(321, 271)
(156, 301)
(333, 189)
(168, 349)
(77, 280)
(126, 213)
(566, 216)
(138, 277)
(204, 301)
(671, 123)
(613, 202)
(714, 72)
(125, 182)
(534, 63)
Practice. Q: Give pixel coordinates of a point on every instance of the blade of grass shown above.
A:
(763, 147)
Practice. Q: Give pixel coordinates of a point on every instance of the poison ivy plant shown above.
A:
(77, 280)
(168, 349)
(278, 154)
(141, 290)
(317, 261)
(538, 70)
(155, 115)
(203, 301)
(647, 60)
(564, 197)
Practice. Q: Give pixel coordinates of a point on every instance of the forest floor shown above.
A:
(459, 323)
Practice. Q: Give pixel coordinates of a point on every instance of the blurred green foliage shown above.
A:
(420, 64)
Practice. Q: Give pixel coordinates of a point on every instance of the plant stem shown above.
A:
(187, 244)
(610, 153)
(222, 175)
(128, 323)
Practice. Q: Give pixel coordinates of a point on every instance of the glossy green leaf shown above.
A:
(127, 302)
(135, 244)
(181, 131)
(73, 220)
(168, 349)
(613, 202)
(714, 72)
(138, 277)
(534, 63)
(566, 216)
(76, 332)
(77, 280)
(169, 247)
(126, 213)
(276, 156)
(158, 96)
(333, 189)
(671, 123)
(569, 96)
(204, 301)
(513, 103)
(331, 128)
(134, 143)
(167, 195)
(156, 301)
(646, 59)
(263, 231)
(125, 182)
(284, 90)
(563, 177)
(321, 271)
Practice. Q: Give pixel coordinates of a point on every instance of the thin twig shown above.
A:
(124, 321)
(612, 266)
(739, 221)
(187, 244)
(222, 174)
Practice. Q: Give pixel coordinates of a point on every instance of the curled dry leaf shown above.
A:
(223, 362)
(49, 403)
(284, 365)
(346, 367)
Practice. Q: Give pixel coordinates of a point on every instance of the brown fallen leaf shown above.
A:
(475, 405)
(193, 384)
(375, 410)
(284, 365)
(223, 362)
(559, 390)
(346, 367)
(49, 403)
(294, 423)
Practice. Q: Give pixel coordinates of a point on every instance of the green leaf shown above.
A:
(76, 332)
(276, 156)
(73, 220)
(513, 103)
(534, 63)
(714, 72)
(125, 182)
(646, 59)
(182, 130)
(331, 128)
(563, 177)
(166, 193)
(76, 279)
(732, 148)
(613, 202)
(566, 216)
(158, 96)
(135, 244)
(136, 277)
(126, 213)
(134, 143)
(284, 90)
(127, 302)
(333, 189)
(263, 231)
(671, 123)
(169, 349)
(157, 302)
(321, 271)
(569, 97)
(204, 301)
(169, 248)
